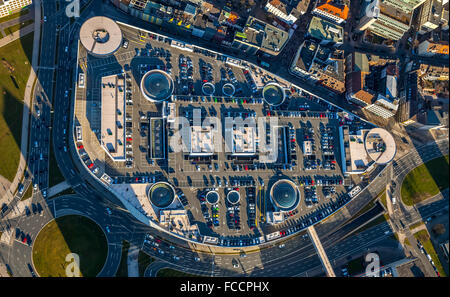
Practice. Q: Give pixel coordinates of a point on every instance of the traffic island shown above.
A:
(425, 181)
(65, 235)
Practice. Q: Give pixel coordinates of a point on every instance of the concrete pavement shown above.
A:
(132, 261)
(58, 188)
(322, 254)
(16, 35)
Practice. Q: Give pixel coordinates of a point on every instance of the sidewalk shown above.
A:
(58, 188)
(132, 261)
(27, 97)
(16, 35)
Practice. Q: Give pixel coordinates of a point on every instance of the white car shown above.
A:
(281, 245)
(197, 259)
(45, 18)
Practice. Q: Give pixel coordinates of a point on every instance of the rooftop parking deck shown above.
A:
(301, 119)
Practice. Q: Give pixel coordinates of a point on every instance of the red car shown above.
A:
(129, 139)
(91, 165)
(80, 146)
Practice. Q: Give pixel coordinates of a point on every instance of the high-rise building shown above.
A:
(430, 16)
(385, 20)
(9, 6)
(406, 6)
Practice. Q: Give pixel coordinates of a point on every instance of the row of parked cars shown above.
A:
(233, 217)
(292, 142)
(186, 80)
(22, 237)
(251, 206)
(201, 195)
(250, 80)
(327, 145)
(129, 133)
(85, 158)
(311, 195)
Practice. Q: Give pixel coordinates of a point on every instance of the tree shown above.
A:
(438, 229)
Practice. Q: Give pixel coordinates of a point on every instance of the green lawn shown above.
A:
(356, 266)
(122, 271)
(17, 27)
(406, 241)
(14, 15)
(424, 238)
(65, 192)
(143, 260)
(14, 71)
(413, 226)
(425, 181)
(383, 199)
(167, 272)
(70, 234)
(366, 208)
(28, 193)
(379, 220)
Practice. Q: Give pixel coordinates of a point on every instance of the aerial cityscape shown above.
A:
(224, 138)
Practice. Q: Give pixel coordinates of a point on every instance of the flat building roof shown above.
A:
(113, 116)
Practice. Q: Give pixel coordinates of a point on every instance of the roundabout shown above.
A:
(66, 235)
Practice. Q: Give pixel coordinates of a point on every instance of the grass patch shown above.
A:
(406, 242)
(15, 15)
(424, 238)
(122, 271)
(143, 260)
(383, 199)
(425, 181)
(375, 222)
(167, 272)
(356, 266)
(70, 234)
(65, 192)
(366, 208)
(415, 225)
(17, 27)
(28, 193)
(14, 71)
